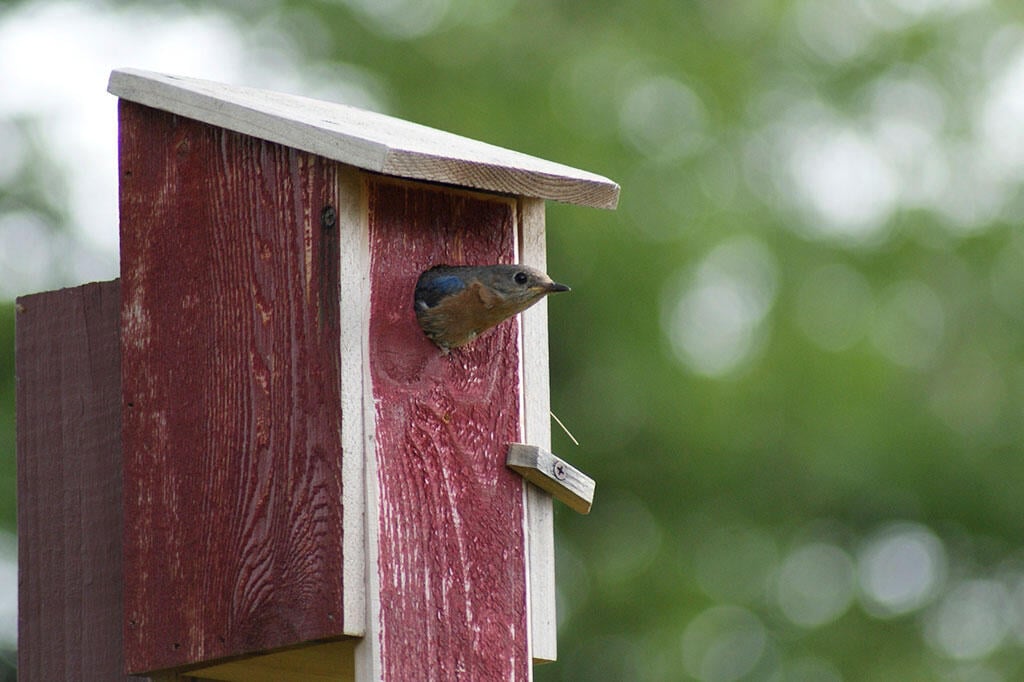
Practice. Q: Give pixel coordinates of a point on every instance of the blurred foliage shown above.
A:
(793, 356)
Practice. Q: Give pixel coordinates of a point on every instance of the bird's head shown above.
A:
(455, 303)
(519, 286)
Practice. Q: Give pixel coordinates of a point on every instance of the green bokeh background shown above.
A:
(792, 357)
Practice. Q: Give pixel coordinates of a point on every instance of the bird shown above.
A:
(456, 303)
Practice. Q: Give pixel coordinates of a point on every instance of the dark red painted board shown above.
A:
(69, 485)
(452, 568)
(232, 410)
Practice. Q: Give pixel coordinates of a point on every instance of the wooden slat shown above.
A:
(556, 476)
(364, 139)
(356, 399)
(450, 539)
(69, 485)
(233, 492)
(358, 410)
(537, 431)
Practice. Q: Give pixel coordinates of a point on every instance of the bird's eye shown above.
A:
(521, 278)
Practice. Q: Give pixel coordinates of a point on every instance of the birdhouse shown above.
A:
(311, 488)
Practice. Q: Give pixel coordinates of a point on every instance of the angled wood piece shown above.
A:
(542, 468)
(364, 139)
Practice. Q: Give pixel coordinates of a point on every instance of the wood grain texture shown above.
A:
(450, 540)
(231, 393)
(364, 139)
(69, 485)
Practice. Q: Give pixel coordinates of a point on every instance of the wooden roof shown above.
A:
(364, 139)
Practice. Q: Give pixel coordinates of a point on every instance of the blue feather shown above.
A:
(430, 291)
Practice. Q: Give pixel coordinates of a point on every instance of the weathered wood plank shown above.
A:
(364, 139)
(537, 431)
(450, 535)
(233, 493)
(356, 397)
(69, 485)
(358, 409)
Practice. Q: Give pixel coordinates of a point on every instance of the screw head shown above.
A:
(559, 470)
(328, 217)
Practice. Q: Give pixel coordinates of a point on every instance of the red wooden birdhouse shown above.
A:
(311, 489)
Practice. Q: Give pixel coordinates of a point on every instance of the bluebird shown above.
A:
(454, 304)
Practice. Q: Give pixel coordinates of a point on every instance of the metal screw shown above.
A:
(328, 217)
(558, 469)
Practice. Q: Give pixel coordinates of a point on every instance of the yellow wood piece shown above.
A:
(329, 662)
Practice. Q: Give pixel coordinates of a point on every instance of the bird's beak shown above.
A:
(555, 286)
